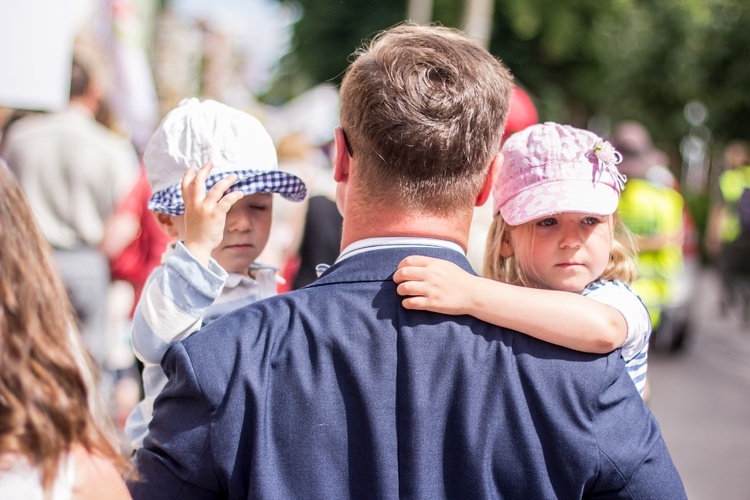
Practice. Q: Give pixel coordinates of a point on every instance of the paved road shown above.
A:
(702, 401)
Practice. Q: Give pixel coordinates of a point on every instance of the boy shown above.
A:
(220, 217)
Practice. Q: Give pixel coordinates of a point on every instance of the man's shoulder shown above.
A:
(254, 318)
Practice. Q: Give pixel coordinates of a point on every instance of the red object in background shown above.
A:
(288, 271)
(522, 112)
(135, 263)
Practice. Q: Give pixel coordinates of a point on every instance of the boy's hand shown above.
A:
(206, 213)
(434, 285)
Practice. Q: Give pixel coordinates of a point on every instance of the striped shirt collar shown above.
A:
(369, 244)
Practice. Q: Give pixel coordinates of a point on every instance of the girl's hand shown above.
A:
(206, 213)
(434, 285)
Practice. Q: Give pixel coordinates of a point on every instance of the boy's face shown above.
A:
(246, 231)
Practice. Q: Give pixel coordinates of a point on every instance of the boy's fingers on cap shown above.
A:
(188, 175)
(218, 189)
(230, 199)
(404, 262)
(187, 181)
(203, 172)
(226, 182)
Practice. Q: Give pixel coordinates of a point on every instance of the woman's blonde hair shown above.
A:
(621, 265)
(44, 395)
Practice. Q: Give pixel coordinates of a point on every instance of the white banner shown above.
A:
(36, 46)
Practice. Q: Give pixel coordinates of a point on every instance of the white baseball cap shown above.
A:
(195, 133)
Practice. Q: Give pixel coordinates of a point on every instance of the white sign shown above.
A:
(36, 50)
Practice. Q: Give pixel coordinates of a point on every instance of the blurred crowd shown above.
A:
(84, 180)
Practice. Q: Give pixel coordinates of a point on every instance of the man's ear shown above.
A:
(489, 181)
(341, 157)
(166, 223)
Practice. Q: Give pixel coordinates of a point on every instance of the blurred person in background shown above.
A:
(53, 443)
(74, 172)
(321, 239)
(728, 238)
(724, 221)
(317, 223)
(654, 211)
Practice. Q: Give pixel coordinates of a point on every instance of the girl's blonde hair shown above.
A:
(621, 265)
(44, 391)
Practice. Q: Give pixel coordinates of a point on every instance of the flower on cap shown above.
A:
(607, 159)
(605, 153)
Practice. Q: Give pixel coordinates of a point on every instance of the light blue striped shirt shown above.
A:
(181, 296)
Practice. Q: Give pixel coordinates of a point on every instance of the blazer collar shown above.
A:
(380, 264)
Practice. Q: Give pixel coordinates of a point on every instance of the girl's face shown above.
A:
(565, 251)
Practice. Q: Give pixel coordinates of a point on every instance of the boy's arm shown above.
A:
(562, 318)
(176, 460)
(174, 302)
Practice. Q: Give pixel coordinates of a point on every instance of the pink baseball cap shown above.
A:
(550, 168)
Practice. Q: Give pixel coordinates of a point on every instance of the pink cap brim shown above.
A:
(558, 197)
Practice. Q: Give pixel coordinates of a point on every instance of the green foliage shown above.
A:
(722, 67)
(330, 31)
(619, 59)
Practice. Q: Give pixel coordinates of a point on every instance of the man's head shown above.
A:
(85, 86)
(423, 111)
(79, 80)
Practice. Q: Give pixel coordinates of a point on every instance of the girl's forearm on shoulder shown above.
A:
(562, 318)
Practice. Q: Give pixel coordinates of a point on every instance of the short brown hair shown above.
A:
(80, 81)
(424, 109)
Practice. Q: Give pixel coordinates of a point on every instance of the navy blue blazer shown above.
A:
(337, 391)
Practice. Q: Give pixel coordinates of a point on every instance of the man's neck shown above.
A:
(86, 103)
(384, 222)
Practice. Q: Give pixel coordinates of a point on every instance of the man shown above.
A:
(74, 172)
(336, 391)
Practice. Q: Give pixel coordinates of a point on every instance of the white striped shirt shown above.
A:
(635, 348)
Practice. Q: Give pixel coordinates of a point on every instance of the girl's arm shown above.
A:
(562, 318)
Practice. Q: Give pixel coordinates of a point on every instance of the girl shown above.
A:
(555, 231)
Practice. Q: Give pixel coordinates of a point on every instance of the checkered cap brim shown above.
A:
(169, 201)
